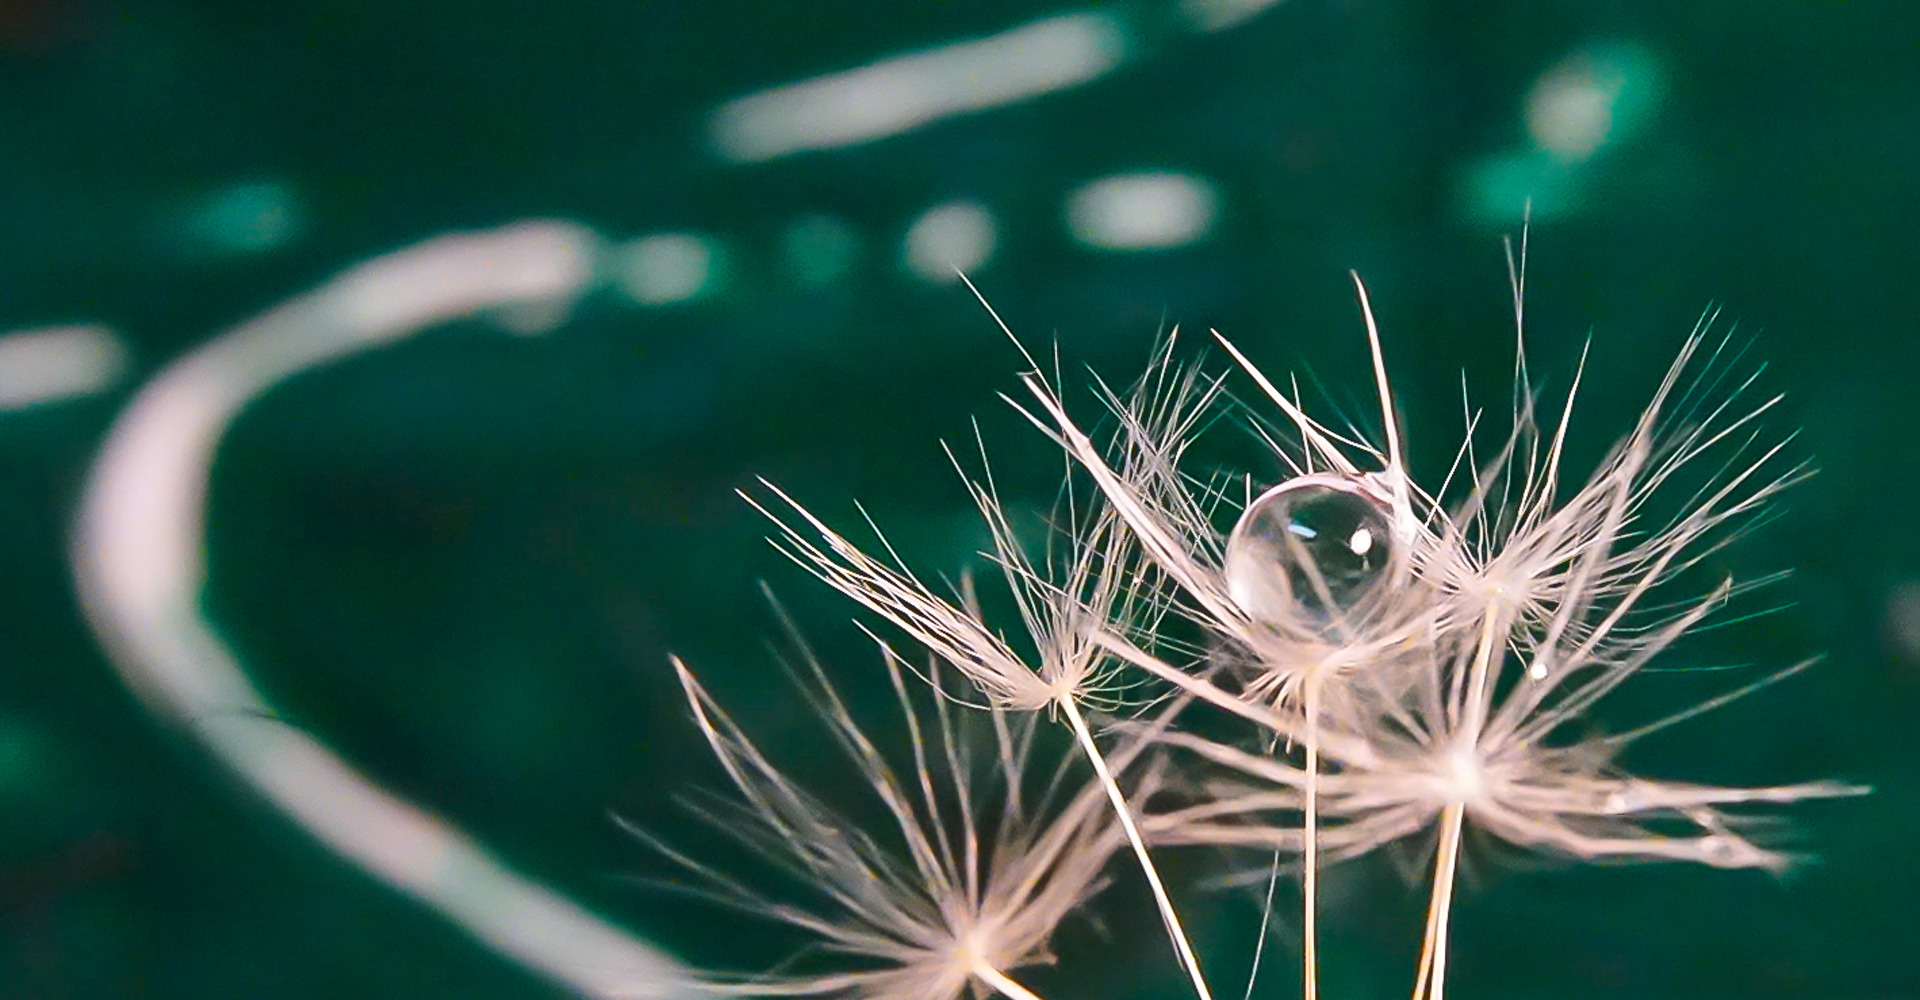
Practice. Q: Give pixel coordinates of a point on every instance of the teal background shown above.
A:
(463, 560)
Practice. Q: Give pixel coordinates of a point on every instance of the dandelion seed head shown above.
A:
(974, 875)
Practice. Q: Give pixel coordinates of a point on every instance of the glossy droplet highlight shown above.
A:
(1308, 551)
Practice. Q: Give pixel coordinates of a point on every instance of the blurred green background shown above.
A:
(462, 561)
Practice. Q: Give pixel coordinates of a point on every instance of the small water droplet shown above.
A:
(1313, 548)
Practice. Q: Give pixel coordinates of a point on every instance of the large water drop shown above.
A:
(1309, 551)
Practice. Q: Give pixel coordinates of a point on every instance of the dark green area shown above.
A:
(464, 560)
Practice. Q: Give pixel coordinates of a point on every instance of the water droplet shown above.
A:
(1313, 548)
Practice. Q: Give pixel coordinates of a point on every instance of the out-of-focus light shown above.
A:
(1584, 105)
(244, 219)
(58, 362)
(1506, 188)
(948, 239)
(139, 559)
(1146, 211)
(1219, 15)
(819, 249)
(24, 758)
(1903, 621)
(900, 93)
(665, 268)
(526, 276)
(1591, 99)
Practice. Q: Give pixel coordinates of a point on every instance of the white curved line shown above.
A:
(138, 560)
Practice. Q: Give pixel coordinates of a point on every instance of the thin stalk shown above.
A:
(1432, 981)
(1001, 982)
(1266, 917)
(1473, 715)
(1433, 949)
(1266, 910)
(1125, 815)
(1310, 879)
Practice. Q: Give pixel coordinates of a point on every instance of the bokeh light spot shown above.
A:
(947, 239)
(1143, 211)
(665, 268)
(1591, 99)
(820, 249)
(243, 219)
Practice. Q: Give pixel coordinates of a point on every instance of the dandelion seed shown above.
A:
(1299, 611)
(974, 888)
(1061, 617)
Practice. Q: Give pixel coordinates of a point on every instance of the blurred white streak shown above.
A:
(138, 561)
(53, 363)
(1219, 15)
(904, 92)
(1145, 211)
(948, 239)
(663, 268)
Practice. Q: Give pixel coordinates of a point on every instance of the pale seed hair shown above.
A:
(967, 886)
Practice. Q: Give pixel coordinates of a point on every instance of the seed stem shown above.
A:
(1000, 981)
(1174, 931)
(1266, 909)
(1432, 983)
(1310, 879)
